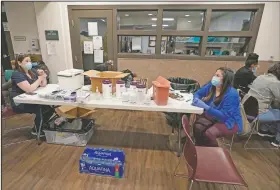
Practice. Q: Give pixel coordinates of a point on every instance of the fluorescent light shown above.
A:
(126, 15)
(150, 14)
(187, 15)
(168, 19)
(189, 21)
(162, 25)
(165, 19)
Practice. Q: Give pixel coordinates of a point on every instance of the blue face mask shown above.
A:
(28, 66)
(216, 81)
(34, 64)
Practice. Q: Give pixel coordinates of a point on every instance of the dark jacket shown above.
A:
(242, 78)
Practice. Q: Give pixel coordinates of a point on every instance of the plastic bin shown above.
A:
(69, 138)
(97, 77)
(161, 88)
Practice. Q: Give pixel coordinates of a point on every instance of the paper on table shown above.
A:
(136, 43)
(98, 56)
(92, 29)
(97, 42)
(51, 48)
(88, 47)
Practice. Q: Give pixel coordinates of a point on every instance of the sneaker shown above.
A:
(265, 133)
(33, 132)
(275, 143)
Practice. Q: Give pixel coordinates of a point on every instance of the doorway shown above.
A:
(91, 35)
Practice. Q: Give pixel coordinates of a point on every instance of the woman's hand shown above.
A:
(199, 103)
(41, 72)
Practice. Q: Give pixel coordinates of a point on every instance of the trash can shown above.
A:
(182, 84)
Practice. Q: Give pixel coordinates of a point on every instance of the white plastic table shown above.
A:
(114, 103)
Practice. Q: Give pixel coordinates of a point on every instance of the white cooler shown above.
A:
(71, 79)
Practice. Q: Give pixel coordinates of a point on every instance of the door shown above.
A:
(86, 25)
(6, 47)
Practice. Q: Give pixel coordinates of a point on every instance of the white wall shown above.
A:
(268, 40)
(49, 17)
(22, 22)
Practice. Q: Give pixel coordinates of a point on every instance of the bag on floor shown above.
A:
(246, 125)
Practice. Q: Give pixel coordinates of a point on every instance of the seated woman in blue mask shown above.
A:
(221, 105)
(27, 80)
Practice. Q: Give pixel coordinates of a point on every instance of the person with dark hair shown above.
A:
(246, 75)
(266, 89)
(27, 80)
(221, 105)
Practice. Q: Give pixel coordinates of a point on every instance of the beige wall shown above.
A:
(200, 70)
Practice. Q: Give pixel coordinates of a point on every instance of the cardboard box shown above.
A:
(97, 77)
(75, 136)
(105, 162)
(75, 112)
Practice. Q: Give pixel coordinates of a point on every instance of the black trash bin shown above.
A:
(182, 84)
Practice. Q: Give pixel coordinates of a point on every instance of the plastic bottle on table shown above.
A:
(120, 88)
(140, 92)
(107, 89)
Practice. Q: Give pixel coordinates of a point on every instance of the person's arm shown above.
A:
(44, 82)
(41, 72)
(230, 105)
(23, 84)
(7, 85)
(203, 91)
(275, 90)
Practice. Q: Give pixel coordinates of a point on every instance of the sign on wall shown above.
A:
(19, 38)
(51, 35)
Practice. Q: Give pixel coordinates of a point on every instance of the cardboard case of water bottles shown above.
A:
(104, 162)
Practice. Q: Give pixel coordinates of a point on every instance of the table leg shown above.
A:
(179, 135)
(40, 127)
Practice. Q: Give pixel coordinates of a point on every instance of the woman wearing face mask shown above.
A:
(246, 75)
(26, 80)
(221, 109)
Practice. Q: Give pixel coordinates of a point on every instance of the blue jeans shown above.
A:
(270, 121)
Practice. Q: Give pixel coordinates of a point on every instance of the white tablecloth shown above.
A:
(114, 103)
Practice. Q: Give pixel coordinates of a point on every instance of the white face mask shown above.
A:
(216, 81)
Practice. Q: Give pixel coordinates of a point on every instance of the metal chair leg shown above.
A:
(190, 184)
(175, 171)
(231, 142)
(253, 129)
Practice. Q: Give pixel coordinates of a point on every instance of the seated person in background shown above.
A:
(26, 80)
(246, 75)
(266, 89)
(6, 87)
(221, 105)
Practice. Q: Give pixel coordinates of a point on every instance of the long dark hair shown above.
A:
(20, 58)
(228, 76)
(275, 70)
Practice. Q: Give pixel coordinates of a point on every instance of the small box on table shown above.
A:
(105, 162)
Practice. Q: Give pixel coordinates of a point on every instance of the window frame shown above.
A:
(252, 33)
(204, 33)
